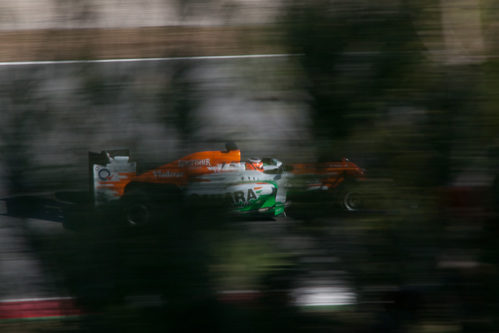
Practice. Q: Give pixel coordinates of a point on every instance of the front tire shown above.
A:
(350, 198)
(351, 201)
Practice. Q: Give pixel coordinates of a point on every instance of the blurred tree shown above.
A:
(24, 117)
(366, 66)
(359, 58)
(179, 101)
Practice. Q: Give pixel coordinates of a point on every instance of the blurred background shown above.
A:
(405, 89)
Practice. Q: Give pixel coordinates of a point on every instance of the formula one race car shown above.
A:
(208, 180)
(255, 186)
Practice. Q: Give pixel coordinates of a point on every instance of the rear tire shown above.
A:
(137, 209)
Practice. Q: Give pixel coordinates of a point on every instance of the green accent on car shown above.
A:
(279, 208)
(267, 201)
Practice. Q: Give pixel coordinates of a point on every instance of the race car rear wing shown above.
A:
(109, 172)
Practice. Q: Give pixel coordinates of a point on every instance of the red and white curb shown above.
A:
(66, 307)
(38, 308)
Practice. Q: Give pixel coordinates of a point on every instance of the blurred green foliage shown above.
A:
(375, 84)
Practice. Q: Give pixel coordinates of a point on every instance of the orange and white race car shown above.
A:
(206, 179)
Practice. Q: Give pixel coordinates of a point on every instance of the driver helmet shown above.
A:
(254, 164)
